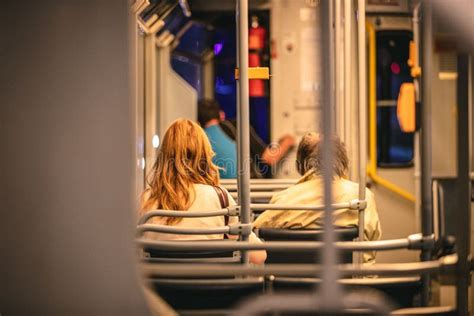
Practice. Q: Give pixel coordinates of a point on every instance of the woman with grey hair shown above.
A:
(309, 190)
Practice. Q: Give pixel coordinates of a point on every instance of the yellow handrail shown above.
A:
(372, 166)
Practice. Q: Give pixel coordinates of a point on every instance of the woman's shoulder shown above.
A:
(207, 193)
(207, 188)
(204, 189)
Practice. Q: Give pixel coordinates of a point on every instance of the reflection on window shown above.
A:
(189, 69)
(187, 57)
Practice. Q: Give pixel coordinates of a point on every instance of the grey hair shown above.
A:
(309, 155)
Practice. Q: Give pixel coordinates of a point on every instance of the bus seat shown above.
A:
(206, 294)
(275, 234)
(179, 256)
(403, 291)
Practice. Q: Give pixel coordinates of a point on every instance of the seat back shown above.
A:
(179, 256)
(206, 294)
(312, 256)
(403, 291)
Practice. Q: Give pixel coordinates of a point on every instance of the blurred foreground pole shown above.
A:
(67, 140)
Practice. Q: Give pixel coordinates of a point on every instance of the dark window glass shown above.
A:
(225, 61)
(216, 32)
(394, 147)
(186, 59)
(190, 70)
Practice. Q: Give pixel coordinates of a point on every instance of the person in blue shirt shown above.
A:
(223, 146)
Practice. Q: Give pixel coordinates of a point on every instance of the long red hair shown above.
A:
(184, 158)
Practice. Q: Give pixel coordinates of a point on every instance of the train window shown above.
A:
(220, 39)
(224, 65)
(259, 52)
(187, 57)
(190, 69)
(394, 147)
(175, 21)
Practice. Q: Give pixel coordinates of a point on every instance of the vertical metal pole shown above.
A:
(139, 74)
(348, 73)
(330, 288)
(362, 114)
(463, 185)
(339, 75)
(417, 175)
(416, 81)
(426, 189)
(163, 112)
(244, 119)
(151, 100)
(237, 59)
(332, 70)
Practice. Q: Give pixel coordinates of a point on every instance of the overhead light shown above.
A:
(447, 75)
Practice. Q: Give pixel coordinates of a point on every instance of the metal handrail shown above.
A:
(255, 195)
(235, 210)
(354, 205)
(231, 211)
(298, 270)
(241, 229)
(260, 181)
(182, 230)
(260, 187)
(296, 246)
(414, 242)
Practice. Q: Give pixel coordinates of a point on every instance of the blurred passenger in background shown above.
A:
(309, 190)
(224, 147)
(264, 157)
(185, 178)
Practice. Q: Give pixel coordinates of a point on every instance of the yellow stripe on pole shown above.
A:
(256, 73)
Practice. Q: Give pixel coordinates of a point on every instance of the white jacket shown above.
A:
(309, 190)
(205, 199)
